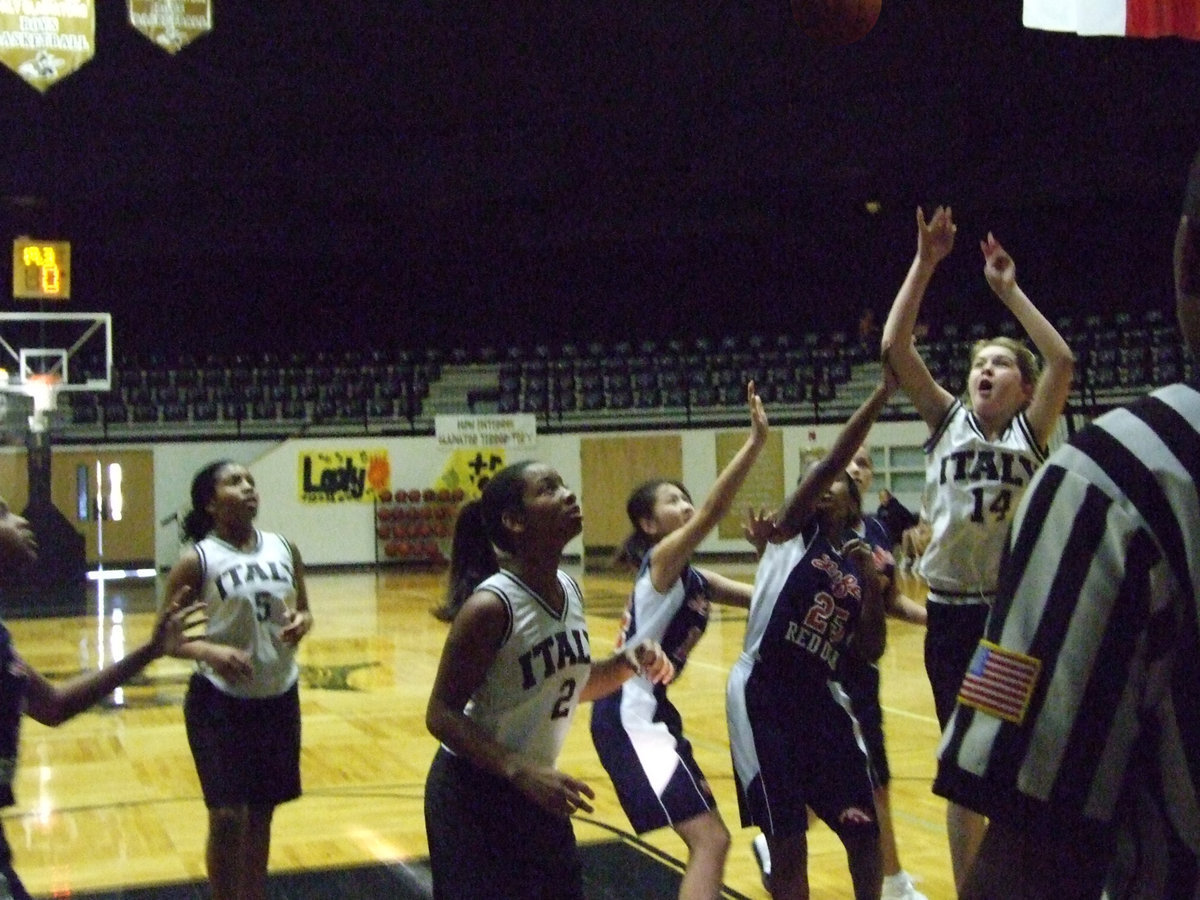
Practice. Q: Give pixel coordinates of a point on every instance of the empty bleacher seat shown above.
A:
(533, 403)
(84, 410)
(204, 411)
(263, 410)
(565, 401)
(115, 412)
(175, 412)
(618, 398)
(675, 396)
(324, 410)
(789, 392)
(647, 398)
(591, 399)
(509, 402)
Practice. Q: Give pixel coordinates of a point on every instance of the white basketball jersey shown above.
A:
(529, 694)
(972, 487)
(247, 597)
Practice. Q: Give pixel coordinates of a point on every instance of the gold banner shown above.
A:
(343, 476)
(44, 41)
(172, 24)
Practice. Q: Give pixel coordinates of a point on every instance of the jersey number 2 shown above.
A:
(562, 706)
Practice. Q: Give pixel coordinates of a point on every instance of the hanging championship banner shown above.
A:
(44, 41)
(172, 24)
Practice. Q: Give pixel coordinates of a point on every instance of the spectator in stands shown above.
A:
(980, 456)
(895, 517)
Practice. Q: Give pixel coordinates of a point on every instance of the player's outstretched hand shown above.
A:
(177, 616)
(758, 414)
(758, 528)
(935, 238)
(998, 267)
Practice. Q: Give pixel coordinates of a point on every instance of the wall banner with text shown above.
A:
(171, 24)
(44, 41)
(470, 470)
(343, 476)
(517, 432)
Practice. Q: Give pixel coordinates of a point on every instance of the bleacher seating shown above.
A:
(804, 377)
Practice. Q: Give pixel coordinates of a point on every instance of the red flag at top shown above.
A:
(1128, 18)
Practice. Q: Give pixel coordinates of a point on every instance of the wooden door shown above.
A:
(77, 478)
(611, 468)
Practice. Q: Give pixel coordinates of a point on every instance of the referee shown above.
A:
(1077, 730)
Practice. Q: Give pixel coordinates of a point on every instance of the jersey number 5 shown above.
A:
(262, 606)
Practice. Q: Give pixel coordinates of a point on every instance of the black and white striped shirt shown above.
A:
(1098, 598)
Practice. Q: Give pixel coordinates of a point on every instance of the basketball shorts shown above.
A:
(247, 751)
(488, 840)
(861, 684)
(953, 633)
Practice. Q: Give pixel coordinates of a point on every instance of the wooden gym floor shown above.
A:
(109, 802)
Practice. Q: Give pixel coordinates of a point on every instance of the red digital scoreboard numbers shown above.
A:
(41, 269)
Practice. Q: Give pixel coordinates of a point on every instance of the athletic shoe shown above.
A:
(900, 887)
(762, 855)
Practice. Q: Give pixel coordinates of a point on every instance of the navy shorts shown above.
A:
(811, 757)
(686, 793)
(488, 840)
(953, 633)
(247, 751)
(860, 680)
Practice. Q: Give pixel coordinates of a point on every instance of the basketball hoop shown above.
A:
(53, 353)
(42, 388)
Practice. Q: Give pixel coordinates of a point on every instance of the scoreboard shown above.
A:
(41, 269)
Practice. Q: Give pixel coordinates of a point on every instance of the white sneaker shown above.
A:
(900, 887)
(762, 855)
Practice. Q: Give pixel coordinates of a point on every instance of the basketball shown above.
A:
(836, 22)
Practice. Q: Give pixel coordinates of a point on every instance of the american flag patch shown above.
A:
(999, 682)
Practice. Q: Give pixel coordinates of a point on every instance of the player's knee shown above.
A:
(706, 833)
(226, 822)
(857, 828)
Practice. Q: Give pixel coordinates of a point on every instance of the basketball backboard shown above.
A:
(73, 351)
(44, 354)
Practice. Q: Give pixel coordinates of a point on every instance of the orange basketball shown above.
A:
(836, 22)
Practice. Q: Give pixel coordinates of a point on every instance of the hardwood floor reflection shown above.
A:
(111, 799)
